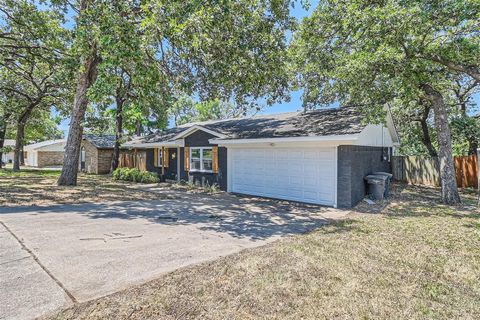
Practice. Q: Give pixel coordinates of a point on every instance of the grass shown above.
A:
(39, 187)
(414, 259)
(9, 173)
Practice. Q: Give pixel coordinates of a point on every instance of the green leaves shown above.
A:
(372, 52)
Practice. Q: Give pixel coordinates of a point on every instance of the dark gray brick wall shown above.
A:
(354, 163)
(170, 172)
(200, 139)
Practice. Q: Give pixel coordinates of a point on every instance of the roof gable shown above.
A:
(322, 122)
(195, 128)
(38, 145)
(100, 141)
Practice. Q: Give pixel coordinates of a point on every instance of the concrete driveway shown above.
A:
(51, 257)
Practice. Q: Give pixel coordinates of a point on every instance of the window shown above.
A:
(201, 159)
(82, 155)
(159, 157)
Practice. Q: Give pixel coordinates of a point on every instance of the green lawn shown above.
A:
(8, 172)
(416, 259)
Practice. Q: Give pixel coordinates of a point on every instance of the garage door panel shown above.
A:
(311, 195)
(299, 174)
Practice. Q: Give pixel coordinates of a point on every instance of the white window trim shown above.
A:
(159, 157)
(201, 159)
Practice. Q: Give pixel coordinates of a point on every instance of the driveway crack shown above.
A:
(35, 258)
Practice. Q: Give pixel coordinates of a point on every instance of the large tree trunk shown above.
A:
(138, 128)
(22, 156)
(118, 133)
(3, 132)
(22, 121)
(447, 168)
(18, 146)
(427, 141)
(87, 77)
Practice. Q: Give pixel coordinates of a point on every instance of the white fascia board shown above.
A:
(194, 128)
(334, 138)
(391, 126)
(176, 143)
(39, 145)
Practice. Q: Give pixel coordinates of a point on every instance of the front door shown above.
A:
(172, 164)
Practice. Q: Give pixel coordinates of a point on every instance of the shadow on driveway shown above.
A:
(239, 216)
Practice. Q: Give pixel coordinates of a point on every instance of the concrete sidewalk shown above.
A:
(26, 290)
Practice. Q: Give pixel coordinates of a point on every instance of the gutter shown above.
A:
(170, 144)
(348, 137)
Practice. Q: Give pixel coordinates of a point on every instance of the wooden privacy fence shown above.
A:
(425, 170)
(133, 160)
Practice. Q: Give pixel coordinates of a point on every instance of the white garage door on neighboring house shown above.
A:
(298, 174)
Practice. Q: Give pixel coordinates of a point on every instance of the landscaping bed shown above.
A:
(408, 258)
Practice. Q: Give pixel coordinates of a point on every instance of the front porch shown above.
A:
(164, 161)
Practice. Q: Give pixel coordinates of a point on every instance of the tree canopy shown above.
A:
(229, 50)
(405, 53)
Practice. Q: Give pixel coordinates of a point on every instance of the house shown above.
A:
(318, 157)
(7, 157)
(45, 154)
(96, 153)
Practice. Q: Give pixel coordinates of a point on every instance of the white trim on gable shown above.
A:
(194, 128)
(375, 135)
(391, 128)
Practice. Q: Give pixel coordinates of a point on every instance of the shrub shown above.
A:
(135, 175)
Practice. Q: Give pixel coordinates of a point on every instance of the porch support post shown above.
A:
(135, 157)
(163, 161)
(178, 164)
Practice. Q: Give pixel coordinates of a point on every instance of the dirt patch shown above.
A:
(39, 187)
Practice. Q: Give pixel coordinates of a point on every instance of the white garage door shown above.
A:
(299, 174)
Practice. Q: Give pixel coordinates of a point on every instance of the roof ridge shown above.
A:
(256, 116)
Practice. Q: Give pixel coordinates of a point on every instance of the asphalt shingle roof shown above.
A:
(102, 142)
(322, 122)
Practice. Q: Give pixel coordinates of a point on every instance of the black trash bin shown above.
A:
(376, 186)
(389, 181)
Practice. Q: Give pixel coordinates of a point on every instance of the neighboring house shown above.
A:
(318, 157)
(7, 157)
(96, 153)
(45, 154)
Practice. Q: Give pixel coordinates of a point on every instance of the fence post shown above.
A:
(478, 176)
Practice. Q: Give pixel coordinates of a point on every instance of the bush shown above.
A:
(135, 175)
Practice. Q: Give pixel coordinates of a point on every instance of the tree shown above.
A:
(30, 71)
(229, 50)
(416, 128)
(371, 53)
(186, 110)
(5, 117)
(464, 127)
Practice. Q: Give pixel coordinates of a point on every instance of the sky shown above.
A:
(295, 103)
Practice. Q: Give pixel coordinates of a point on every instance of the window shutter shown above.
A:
(155, 157)
(166, 158)
(215, 159)
(186, 159)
